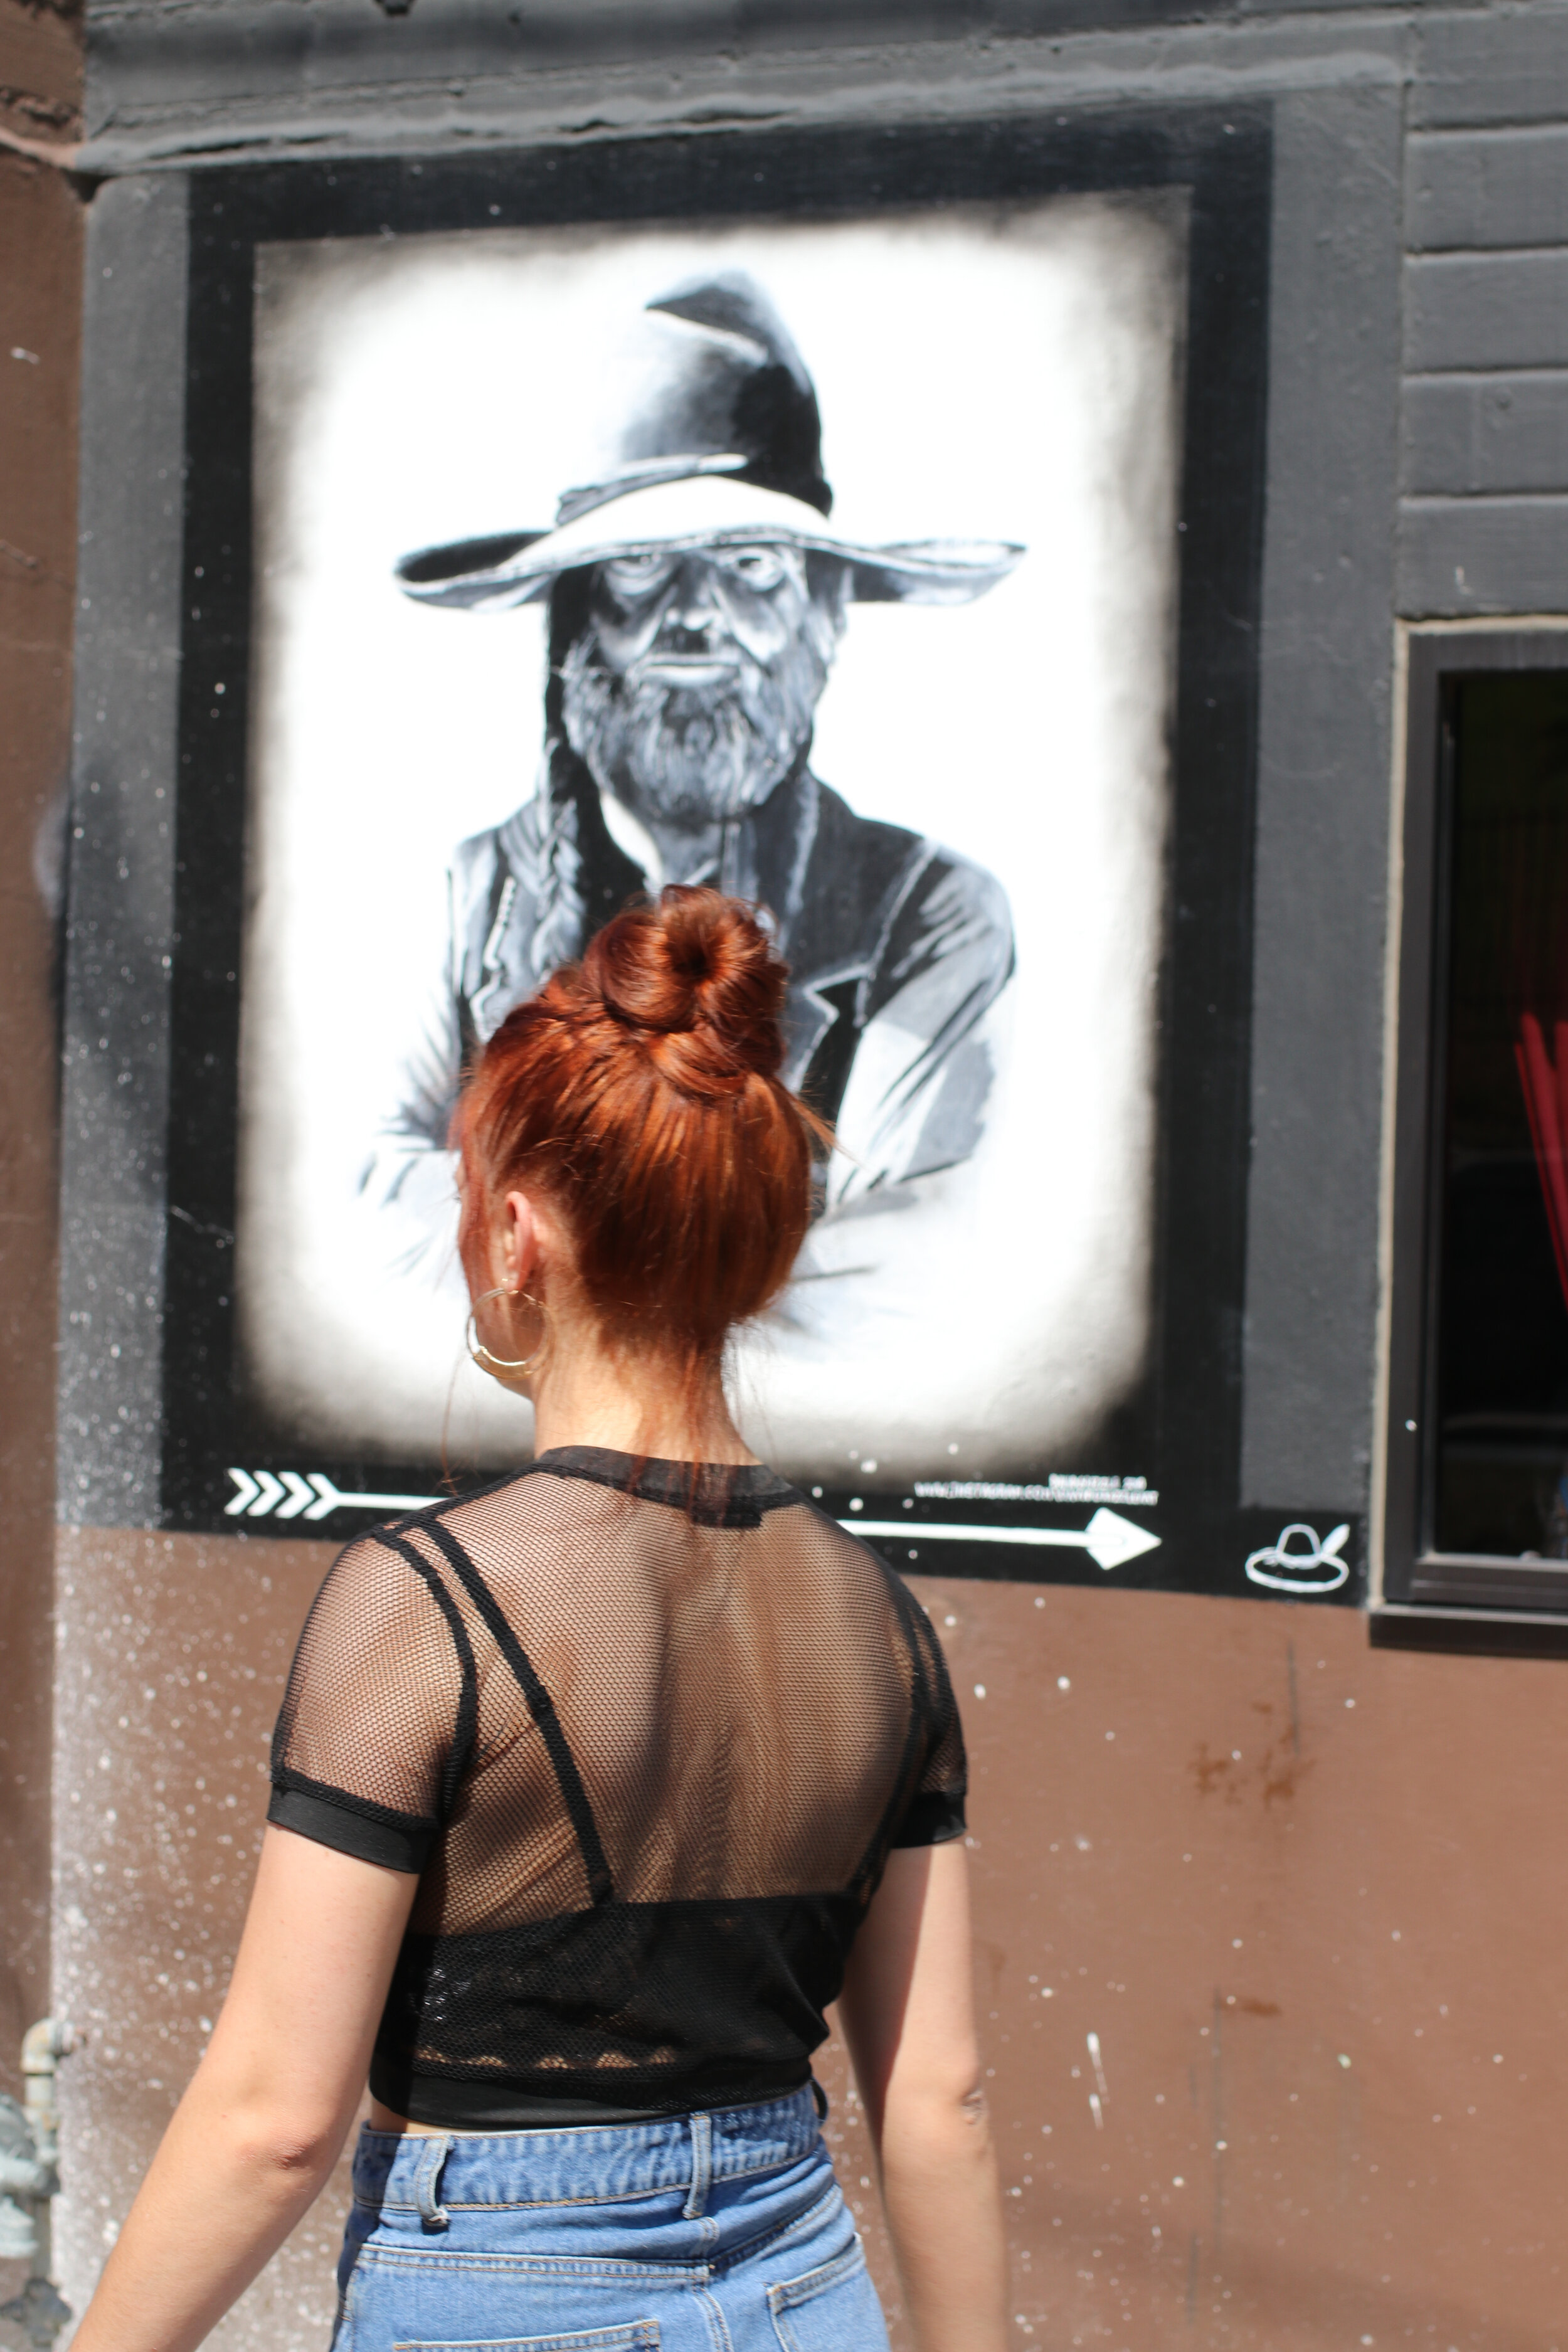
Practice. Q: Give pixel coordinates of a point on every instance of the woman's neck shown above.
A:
(587, 1395)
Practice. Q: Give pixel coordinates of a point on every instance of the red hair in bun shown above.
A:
(639, 1092)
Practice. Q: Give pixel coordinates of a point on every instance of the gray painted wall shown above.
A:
(1484, 510)
(114, 1106)
(1323, 759)
(1418, 465)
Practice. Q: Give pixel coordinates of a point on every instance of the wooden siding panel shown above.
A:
(1485, 433)
(1487, 189)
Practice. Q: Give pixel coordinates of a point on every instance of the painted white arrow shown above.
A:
(1110, 1540)
(299, 1494)
(248, 1490)
(329, 1498)
(289, 1496)
(271, 1492)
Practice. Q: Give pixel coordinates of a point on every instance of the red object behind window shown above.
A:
(1546, 1101)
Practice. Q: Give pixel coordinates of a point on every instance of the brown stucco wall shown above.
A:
(1301, 1891)
(40, 272)
(40, 304)
(42, 52)
(173, 1652)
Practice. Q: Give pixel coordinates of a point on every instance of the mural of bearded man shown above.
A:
(697, 595)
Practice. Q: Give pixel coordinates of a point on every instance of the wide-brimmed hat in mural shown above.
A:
(725, 451)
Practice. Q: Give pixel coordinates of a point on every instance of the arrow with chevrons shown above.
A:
(288, 1496)
(1109, 1539)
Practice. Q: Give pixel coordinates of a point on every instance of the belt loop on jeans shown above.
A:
(702, 2166)
(427, 2180)
(819, 2100)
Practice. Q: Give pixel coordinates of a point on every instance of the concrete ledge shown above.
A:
(333, 77)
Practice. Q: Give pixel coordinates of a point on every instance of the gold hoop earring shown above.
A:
(477, 1348)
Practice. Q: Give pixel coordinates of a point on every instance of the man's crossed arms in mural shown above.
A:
(696, 595)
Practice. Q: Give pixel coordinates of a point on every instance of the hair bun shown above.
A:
(698, 967)
(638, 1092)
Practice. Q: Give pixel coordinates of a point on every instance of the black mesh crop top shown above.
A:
(646, 1737)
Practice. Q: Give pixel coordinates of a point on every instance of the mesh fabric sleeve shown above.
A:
(377, 1718)
(935, 1811)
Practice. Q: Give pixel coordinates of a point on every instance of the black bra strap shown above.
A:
(543, 1709)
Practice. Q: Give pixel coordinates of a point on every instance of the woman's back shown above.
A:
(648, 1750)
(586, 1786)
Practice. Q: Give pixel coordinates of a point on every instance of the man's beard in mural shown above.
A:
(688, 755)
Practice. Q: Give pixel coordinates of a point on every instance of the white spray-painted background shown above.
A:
(1010, 374)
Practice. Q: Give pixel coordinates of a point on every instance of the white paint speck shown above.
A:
(869, 1467)
(979, 1690)
(1350, 1702)
(1064, 1682)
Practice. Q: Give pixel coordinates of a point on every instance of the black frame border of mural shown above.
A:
(1432, 1599)
(1222, 159)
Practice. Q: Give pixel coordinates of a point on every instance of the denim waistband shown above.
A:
(430, 2173)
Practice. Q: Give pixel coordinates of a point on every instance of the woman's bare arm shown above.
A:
(908, 2014)
(260, 2126)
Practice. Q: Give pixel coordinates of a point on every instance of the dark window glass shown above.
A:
(1501, 1358)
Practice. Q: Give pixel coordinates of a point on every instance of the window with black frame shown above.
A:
(1501, 1370)
(1478, 1502)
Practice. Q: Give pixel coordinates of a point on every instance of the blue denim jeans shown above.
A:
(716, 2232)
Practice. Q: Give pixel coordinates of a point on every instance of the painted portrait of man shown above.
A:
(828, 562)
(697, 592)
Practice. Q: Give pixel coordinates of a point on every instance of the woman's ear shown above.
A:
(520, 1240)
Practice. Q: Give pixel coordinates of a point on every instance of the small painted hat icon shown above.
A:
(1297, 1563)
